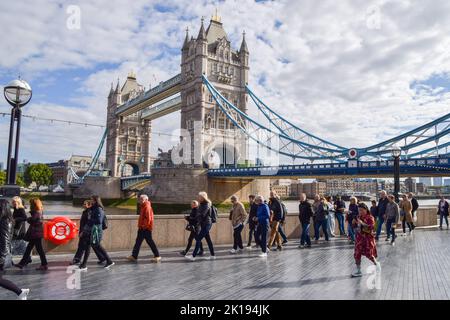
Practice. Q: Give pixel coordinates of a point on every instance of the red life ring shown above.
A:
(60, 230)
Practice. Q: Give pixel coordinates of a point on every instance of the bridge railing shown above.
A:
(429, 165)
(127, 182)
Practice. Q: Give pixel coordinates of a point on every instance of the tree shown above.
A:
(39, 173)
(2, 177)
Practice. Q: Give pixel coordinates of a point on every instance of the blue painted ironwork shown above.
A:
(128, 183)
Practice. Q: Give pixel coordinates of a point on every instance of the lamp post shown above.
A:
(18, 93)
(396, 153)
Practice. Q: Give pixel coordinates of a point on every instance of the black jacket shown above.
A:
(253, 214)
(305, 212)
(192, 219)
(382, 204)
(84, 219)
(415, 204)
(5, 238)
(277, 209)
(204, 214)
(20, 217)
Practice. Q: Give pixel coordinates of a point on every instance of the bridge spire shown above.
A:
(118, 86)
(202, 32)
(244, 48)
(186, 40)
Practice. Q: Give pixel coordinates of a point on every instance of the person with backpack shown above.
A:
(321, 219)
(93, 233)
(145, 229)
(276, 218)
(83, 241)
(415, 205)
(193, 227)
(252, 222)
(238, 216)
(206, 216)
(263, 215)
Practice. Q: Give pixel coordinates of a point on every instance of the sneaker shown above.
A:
(387, 239)
(357, 273)
(301, 246)
(393, 243)
(233, 251)
(190, 257)
(183, 253)
(101, 262)
(24, 294)
(131, 259)
(83, 268)
(285, 241)
(404, 234)
(42, 268)
(156, 259)
(263, 255)
(109, 265)
(211, 258)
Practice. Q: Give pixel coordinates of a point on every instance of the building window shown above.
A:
(132, 147)
(215, 67)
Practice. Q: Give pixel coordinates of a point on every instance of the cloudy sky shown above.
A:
(354, 72)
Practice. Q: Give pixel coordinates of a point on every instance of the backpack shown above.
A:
(105, 222)
(214, 214)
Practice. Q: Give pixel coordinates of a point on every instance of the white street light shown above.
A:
(396, 151)
(18, 93)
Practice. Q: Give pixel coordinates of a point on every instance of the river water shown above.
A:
(62, 208)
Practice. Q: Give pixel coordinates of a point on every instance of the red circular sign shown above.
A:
(60, 230)
(352, 153)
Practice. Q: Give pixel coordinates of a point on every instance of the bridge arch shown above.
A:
(129, 169)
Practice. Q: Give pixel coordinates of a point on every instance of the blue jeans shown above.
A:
(380, 221)
(263, 230)
(351, 232)
(204, 233)
(341, 222)
(390, 229)
(323, 224)
(442, 216)
(282, 234)
(305, 238)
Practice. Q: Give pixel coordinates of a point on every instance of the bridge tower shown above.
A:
(211, 54)
(128, 139)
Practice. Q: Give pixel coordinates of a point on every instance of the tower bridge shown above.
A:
(212, 93)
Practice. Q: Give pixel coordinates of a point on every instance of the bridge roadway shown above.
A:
(416, 268)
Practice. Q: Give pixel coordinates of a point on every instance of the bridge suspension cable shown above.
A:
(267, 137)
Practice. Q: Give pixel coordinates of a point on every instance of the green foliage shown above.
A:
(39, 173)
(20, 181)
(2, 178)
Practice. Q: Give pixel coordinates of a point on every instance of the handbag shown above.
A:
(190, 228)
(19, 233)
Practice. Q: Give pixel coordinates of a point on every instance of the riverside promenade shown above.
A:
(416, 268)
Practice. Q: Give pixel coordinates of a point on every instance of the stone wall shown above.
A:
(170, 231)
(105, 187)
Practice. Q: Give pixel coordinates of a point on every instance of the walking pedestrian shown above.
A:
(145, 229)
(34, 235)
(321, 220)
(374, 210)
(339, 208)
(238, 215)
(406, 214)
(382, 204)
(415, 205)
(392, 215)
(84, 238)
(443, 211)
(305, 214)
(252, 222)
(193, 227)
(93, 231)
(282, 222)
(351, 218)
(331, 223)
(365, 241)
(6, 221)
(276, 218)
(18, 244)
(263, 215)
(205, 213)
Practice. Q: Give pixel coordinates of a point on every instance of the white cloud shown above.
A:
(322, 66)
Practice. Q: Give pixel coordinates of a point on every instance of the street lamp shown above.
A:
(18, 93)
(396, 153)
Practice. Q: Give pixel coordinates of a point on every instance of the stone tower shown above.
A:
(128, 139)
(211, 54)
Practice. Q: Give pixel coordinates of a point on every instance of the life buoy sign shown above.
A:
(60, 230)
(352, 153)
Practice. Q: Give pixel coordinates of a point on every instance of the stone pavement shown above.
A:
(416, 268)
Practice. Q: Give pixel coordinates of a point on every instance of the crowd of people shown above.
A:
(266, 219)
